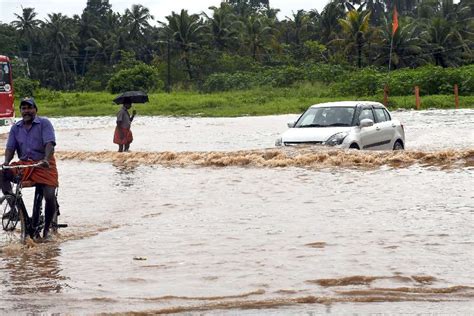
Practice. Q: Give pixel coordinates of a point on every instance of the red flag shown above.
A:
(394, 21)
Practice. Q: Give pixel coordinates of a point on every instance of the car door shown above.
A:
(370, 137)
(384, 127)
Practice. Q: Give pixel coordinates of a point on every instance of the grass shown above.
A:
(259, 101)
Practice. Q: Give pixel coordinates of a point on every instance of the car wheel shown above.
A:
(398, 145)
(354, 146)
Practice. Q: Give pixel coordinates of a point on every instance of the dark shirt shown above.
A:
(30, 144)
(123, 118)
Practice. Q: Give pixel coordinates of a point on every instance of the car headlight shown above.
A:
(336, 139)
(278, 142)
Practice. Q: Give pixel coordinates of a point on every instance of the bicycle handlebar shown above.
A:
(38, 164)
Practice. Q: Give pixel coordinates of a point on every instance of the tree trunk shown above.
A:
(359, 55)
(62, 69)
(84, 63)
(187, 63)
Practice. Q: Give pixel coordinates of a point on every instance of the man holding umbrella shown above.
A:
(123, 135)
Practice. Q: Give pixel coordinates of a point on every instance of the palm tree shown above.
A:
(408, 7)
(256, 34)
(328, 21)
(299, 24)
(87, 31)
(222, 26)
(245, 8)
(408, 45)
(426, 9)
(27, 25)
(446, 43)
(56, 33)
(377, 9)
(355, 27)
(137, 19)
(8, 38)
(185, 30)
(115, 37)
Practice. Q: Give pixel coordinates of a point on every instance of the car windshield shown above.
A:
(327, 116)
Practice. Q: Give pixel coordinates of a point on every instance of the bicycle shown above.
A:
(14, 209)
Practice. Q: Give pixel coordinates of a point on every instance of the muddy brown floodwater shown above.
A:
(206, 216)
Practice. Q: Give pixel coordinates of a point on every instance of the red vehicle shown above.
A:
(7, 110)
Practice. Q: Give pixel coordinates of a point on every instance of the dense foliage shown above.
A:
(140, 77)
(349, 45)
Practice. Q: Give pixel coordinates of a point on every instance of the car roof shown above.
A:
(346, 104)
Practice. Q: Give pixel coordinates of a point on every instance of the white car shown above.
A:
(346, 124)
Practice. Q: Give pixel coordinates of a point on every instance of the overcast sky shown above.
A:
(158, 8)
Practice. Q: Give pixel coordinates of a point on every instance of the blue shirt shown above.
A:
(30, 144)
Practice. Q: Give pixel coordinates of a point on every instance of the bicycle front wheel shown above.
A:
(10, 216)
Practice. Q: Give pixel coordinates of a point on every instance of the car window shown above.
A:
(366, 114)
(387, 115)
(327, 116)
(307, 118)
(380, 115)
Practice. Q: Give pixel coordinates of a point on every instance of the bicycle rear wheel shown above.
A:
(10, 216)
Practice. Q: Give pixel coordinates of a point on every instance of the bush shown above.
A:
(96, 78)
(432, 80)
(346, 82)
(274, 77)
(225, 82)
(282, 76)
(229, 63)
(25, 87)
(364, 82)
(140, 77)
(323, 72)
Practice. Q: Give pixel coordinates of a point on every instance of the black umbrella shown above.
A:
(132, 96)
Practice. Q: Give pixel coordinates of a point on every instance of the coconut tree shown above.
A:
(257, 34)
(186, 31)
(245, 8)
(137, 20)
(56, 34)
(408, 43)
(222, 26)
(7, 39)
(446, 43)
(377, 9)
(354, 28)
(27, 25)
(328, 21)
(299, 23)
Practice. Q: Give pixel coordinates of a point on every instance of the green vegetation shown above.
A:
(140, 77)
(343, 82)
(241, 44)
(261, 101)
(241, 59)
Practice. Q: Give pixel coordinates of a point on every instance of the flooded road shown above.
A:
(206, 216)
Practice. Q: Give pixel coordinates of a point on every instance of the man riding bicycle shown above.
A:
(33, 139)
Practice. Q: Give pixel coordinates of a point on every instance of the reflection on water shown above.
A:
(125, 175)
(32, 270)
(252, 231)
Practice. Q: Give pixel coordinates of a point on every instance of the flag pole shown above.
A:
(394, 29)
(390, 55)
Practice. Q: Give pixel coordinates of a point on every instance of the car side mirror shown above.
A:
(291, 124)
(366, 123)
